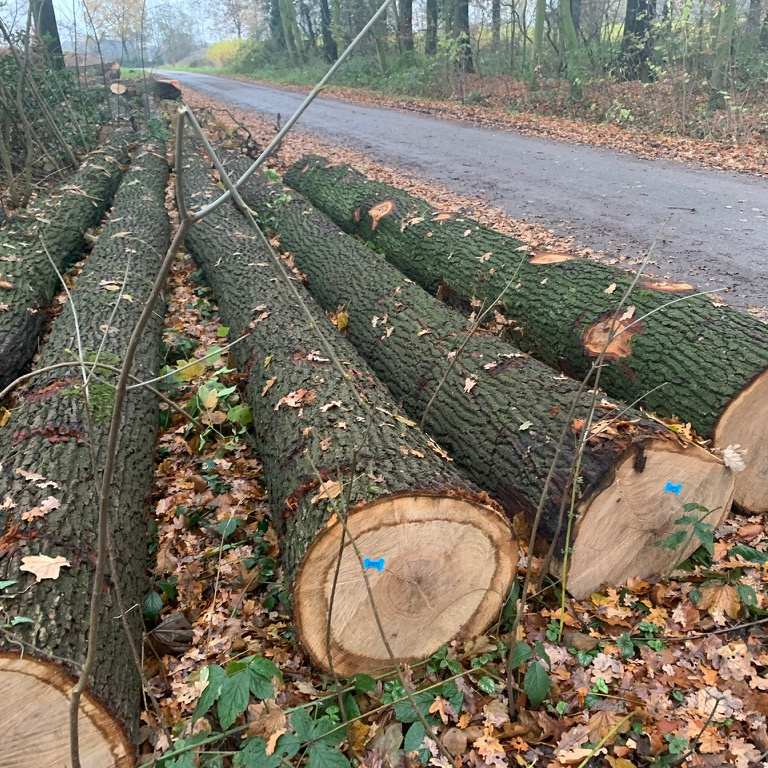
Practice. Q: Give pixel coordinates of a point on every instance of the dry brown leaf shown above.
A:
(619, 762)
(455, 741)
(267, 721)
(42, 509)
(268, 385)
(720, 600)
(469, 383)
(603, 722)
(43, 567)
(629, 314)
(611, 288)
(328, 490)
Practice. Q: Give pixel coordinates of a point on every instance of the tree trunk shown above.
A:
(405, 26)
(718, 78)
(461, 33)
(538, 38)
(379, 32)
(753, 21)
(495, 25)
(50, 478)
(500, 413)
(55, 228)
(637, 42)
(569, 36)
(449, 553)
(330, 50)
(47, 30)
(276, 26)
(430, 40)
(707, 365)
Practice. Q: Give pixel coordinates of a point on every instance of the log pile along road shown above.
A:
(717, 236)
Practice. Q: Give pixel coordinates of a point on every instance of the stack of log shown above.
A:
(368, 511)
(501, 414)
(679, 354)
(51, 452)
(47, 239)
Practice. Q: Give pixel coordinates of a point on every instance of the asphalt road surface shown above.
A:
(717, 235)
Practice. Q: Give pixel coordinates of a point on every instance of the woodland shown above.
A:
(309, 463)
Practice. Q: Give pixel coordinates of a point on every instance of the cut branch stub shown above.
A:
(551, 257)
(693, 360)
(613, 336)
(500, 413)
(410, 509)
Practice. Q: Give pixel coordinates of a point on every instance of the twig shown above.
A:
(719, 631)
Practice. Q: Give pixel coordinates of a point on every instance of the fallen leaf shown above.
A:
(42, 509)
(611, 288)
(328, 490)
(720, 600)
(629, 314)
(43, 567)
(268, 385)
(469, 383)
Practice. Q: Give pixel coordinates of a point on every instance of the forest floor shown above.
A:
(665, 673)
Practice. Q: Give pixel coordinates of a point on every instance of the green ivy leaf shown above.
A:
(364, 683)
(323, 756)
(536, 683)
(487, 685)
(521, 654)
(7, 583)
(404, 711)
(233, 698)
(750, 554)
(626, 646)
(152, 605)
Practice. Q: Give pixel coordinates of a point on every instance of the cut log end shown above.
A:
(551, 257)
(621, 531)
(613, 337)
(744, 422)
(34, 712)
(439, 568)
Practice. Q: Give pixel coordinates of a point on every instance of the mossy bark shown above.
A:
(499, 412)
(688, 360)
(348, 425)
(55, 227)
(46, 453)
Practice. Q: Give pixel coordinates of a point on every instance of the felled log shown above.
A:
(54, 228)
(699, 361)
(49, 509)
(500, 413)
(167, 89)
(438, 552)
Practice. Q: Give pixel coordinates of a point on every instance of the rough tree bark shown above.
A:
(330, 50)
(50, 507)
(405, 23)
(462, 35)
(705, 364)
(500, 413)
(637, 42)
(47, 30)
(56, 224)
(430, 39)
(440, 554)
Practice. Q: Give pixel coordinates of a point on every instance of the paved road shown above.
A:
(717, 235)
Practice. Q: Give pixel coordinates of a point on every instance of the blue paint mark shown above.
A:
(672, 488)
(377, 564)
